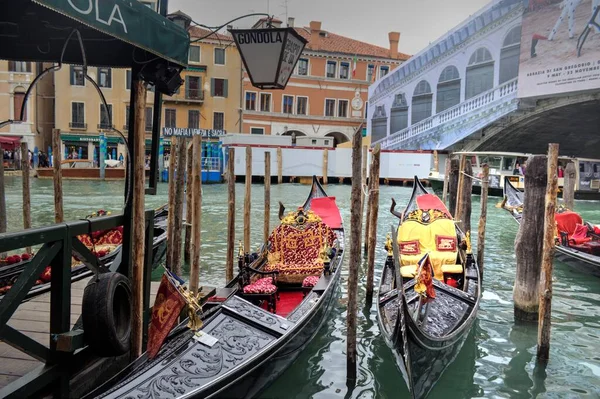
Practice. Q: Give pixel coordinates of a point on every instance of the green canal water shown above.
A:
(498, 359)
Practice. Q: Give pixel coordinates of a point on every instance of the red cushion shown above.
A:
(567, 222)
(262, 286)
(328, 211)
(580, 235)
(310, 281)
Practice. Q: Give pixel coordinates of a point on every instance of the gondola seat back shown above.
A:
(295, 249)
(437, 238)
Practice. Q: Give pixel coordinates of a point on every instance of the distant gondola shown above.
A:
(260, 331)
(426, 318)
(577, 243)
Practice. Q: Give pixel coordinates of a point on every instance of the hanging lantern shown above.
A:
(269, 54)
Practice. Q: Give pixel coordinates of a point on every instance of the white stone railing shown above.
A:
(506, 90)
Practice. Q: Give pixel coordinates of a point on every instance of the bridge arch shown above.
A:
(338, 138)
(480, 73)
(422, 100)
(448, 89)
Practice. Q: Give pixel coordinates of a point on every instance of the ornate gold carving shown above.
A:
(300, 218)
(325, 251)
(388, 245)
(426, 216)
(468, 240)
(241, 250)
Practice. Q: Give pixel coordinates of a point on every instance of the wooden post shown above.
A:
(446, 181)
(482, 218)
(3, 223)
(458, 205)
(325, 165)
(569, 186)
(369, 205)
(230, 215)
(248, 199)
(529, 240)
(545, 293)
(189, 201)
(139, 232)
(372, 220)
(26, 189)
(57, 177)
(279, 166)
(171, 216)
(436, 161)
(465, 201)
(355, 255)
(178, 220)
(453, 186)
(267, 195)
(196, 213)
(365, 154)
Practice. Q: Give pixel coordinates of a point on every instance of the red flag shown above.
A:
(166, 310)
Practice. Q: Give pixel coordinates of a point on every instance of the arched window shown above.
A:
(448, 89)
(480, 73)
(18, 98)
(509, 55)
(378, 124)
(399, 114)
(421, 102)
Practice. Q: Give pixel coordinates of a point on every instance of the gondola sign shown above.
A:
(269, 55)
(187, 132)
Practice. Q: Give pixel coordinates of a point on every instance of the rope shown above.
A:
(472, 177)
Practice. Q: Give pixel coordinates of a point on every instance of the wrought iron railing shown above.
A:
(78, 125)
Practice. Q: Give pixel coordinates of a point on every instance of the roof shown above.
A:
(197, 32)
(340, 44)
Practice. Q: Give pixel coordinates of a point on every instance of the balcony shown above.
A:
(191, 96)
(194, 94)
(105, 126)
(148, 128)
(78, 125)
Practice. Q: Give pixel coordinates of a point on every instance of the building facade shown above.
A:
(326, 96)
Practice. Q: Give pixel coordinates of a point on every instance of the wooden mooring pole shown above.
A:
(368, 216)
(569, 186)
(482, 218)
(464, 202)
(230, 214)
(545, 293)
(26, 189)
(325, 165)
(139, 227)
(453, 174)
(248, 199)
(436, 161)
(372, 220)
(3, 223)
(279, 166)
(459, 188)
(59, 215)
(529, 242)
(195, 219)
(171, 216)
(355, 255)
(364, 157)
(178, 220)
(267, 213)
(446, 181)
(189, 202)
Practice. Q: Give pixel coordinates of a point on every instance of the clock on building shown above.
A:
(357, 102)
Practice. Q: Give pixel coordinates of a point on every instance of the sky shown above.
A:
(420, 22)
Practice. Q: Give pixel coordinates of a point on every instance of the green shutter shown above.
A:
(225, 87)
(187, 86)
(212, 87)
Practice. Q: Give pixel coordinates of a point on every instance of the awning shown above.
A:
(9, 142)
(113, 32)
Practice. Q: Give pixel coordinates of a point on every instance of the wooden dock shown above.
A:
(32, 318)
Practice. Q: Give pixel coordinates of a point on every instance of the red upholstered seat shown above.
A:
(328, 211)
(567, 222)
(580, 235)
(262, 286)
(310, 281)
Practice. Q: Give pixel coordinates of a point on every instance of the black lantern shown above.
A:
(269, 54)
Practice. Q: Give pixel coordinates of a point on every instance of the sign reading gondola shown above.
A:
(186, 132)
(269, 55)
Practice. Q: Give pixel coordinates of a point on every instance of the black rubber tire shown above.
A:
(106, 314)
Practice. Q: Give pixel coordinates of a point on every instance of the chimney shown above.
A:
(290, 22)
(394, 40)
(315, 30)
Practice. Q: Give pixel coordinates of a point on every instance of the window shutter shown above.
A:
(187, 86)
(72, 75)
(212, 87)
(225, 88)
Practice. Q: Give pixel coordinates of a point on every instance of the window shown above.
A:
(329, 107)
(149, 121)
(194, 54)
(344, 70)
(421, 102)
(105, 117)
(313, 142)
(343, 108)
(265, 102)
(128, 79)
(257, 130)
(193, 119)
(383, 70)
(370, 73)
(77, 78)
(303, 67)
(19, 98)
(288, 104)
(104, 77)
(219, 56)
(331, 69)
(378, 124)
(509, 55)
(448, 89)
(78, 115)
(480, 73)
(250, 101)
(218, 87)
(126, 127)
(302, 105)
(193, 88)
(170, 117)
(219, 121)
(399, 114)
(19, 66)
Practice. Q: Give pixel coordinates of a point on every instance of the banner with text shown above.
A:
(560, 51)
(187, 132)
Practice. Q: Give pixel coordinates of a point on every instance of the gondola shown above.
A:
(577, 243)
(259, 332)
(426, 319)
(108, 255)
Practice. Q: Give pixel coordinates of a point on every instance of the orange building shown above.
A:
(327, 94)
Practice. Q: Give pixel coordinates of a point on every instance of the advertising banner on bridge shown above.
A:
(560, 47)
